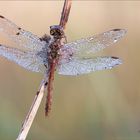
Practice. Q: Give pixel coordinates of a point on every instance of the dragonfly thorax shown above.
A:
(57, 31)
(54, 49)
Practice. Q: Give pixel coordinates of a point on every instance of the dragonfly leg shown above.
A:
(65, 39)
(46, 38)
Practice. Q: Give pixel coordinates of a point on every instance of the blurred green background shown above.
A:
(103, 105)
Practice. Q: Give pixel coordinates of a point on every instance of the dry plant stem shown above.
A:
(33, 110)
(39, 95)
(65, 13)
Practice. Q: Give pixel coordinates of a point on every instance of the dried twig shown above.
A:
(65, 13)
(33, 110)
(39, 95)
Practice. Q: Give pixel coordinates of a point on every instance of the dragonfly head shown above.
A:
(56, 31)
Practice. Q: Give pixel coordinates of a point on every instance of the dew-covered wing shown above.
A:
(84, 65)
(95, 43)
(28, 60)
(20, 36)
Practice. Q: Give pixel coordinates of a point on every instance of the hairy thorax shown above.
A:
(54, 49)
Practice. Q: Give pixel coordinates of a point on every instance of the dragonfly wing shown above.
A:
(20, 36)
(85, 65)
(28, 60)
(95, 43)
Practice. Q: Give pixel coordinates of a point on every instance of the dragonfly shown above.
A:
(52, 52)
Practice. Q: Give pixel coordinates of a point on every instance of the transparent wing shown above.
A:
(83, 66)
(28, 60)
(95, 43)
(18, 35)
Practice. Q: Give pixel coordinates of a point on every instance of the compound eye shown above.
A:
(52, 32)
